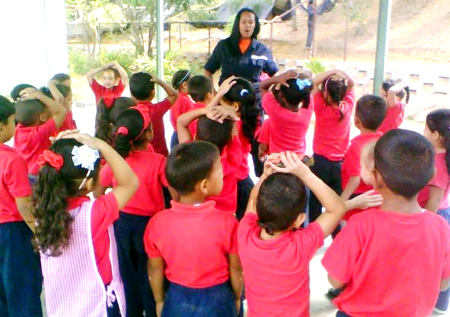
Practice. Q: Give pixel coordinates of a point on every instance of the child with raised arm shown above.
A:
(20, 270)
(142, 88)
(39, 117)
(134, 134)
(63, 94)
(200, 260)
(184, 102)
(334, 99)
(275, 252)
(394, 95)
(201, 90)
(216, 124)
(74, 235)
(392, 260)
(113, 81)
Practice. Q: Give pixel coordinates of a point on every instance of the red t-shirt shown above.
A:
(14, 183)
(287, 128)
(193, 125)
(69, 123)
(441, 180)
(392, 263)
(109, 93)
(231, 159)
(352, 165)
(157, 112)
(276, 271)
(331, 136)
(194, 241)
(105, 211)
(30, 142)
(264, 133)
(150, 169)
(183, 104)
(394, 117)
(246, 145)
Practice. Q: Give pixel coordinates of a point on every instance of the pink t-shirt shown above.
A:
(287, 128)
(69, 123)
(183, 104)
(352, 166)
(231, 159)
(194, 241)
(441, 180)
(105, 211)
(331, 136)
(150, 169)
(276, 271)
(107, 93)
(30, 142)
(157, 112)
(394, 117)
(14, 183)
(392, 263)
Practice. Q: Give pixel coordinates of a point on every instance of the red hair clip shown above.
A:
(122, 130)
(49, 157)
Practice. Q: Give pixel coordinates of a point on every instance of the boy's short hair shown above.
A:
(63, 89)
(61, 77)
(6, 110)
(199, 86)
(215, 132)
(405, 160)
(141, 86)
(371, 111)
(28, 111)
(281, 198)
(114, 70)
(15, 92)
(190, 163)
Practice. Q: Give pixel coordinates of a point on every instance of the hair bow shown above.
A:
(122, 130)
(51, 158)
(244, 92)
(86, 157)
(302, 83)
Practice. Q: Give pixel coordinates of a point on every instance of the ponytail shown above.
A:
(242, 92)
(129, 133)
(103, 129)
(53, 222)
(337, 90)
(439, 120)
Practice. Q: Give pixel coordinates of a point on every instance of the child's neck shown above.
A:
(365, 130)
(142, 146)
(439, 149)
(194, 198)
(265, 236)
(399, 204)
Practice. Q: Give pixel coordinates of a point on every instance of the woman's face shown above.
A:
(247, 25)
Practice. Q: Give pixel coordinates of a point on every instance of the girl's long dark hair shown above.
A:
(439, 120)
(132, 122)
(50, 194)
(336, 89)
(243, 93)
(388, 83)
(293, 95)
(233, 39)
(107, 116)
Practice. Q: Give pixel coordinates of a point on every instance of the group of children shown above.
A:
(183, 234)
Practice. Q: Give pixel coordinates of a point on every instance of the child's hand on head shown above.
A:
(62, 134)
(290, 74)
(226, 86)
(30, 94)
(268, 170)
(292, 164)
(155, 79)
(367, 200)
(221, 113)
(85, 139)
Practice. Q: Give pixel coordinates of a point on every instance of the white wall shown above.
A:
(33, 42)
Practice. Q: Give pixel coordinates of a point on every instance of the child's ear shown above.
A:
(149, 133)
(236, 106)
(203, 187)
(378, 182)
(90, 185)
(300, 220)
(209, 96)
(43, 117)
(357, 122)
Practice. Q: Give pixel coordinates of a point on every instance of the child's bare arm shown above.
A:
(184, 120)
(236, 279)
(363, 201)
(334, 205)
(155, 270)
(24, 206)
(90, 75)
(127, 181)
(393, 92)
(172, 94)
(350, 188)
(122, 72)
(445, 284)
(434, 201)
(57, 110)
(265, 85)
(99, 191)
(57, 96)
(335, 283)
(268, 170)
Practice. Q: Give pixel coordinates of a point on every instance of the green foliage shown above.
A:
(80, 62)
(358, 13)
(316, 66)
(171, 64)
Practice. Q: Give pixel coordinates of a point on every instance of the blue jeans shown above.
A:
(174, 140)
(129, 232)
(20, 272)
(214, 301)
(444, 296)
